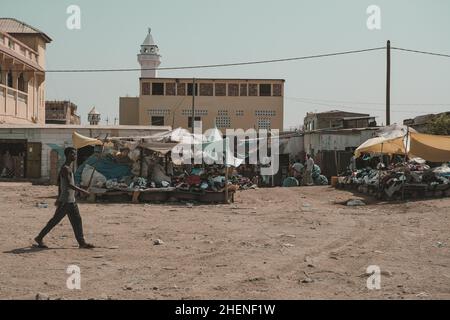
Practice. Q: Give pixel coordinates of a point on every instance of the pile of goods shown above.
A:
(413, 179)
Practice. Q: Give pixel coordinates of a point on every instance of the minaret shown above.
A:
(93, 117)
(149, 57)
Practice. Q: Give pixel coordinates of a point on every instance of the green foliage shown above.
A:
(440, 125)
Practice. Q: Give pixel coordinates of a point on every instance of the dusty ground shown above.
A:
(277, 243)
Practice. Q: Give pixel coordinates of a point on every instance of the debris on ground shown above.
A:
(355, 203)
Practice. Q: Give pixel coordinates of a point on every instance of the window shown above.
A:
(277, 90)
(233, 89)
(223, 122)
(158, 89)
(221, 89)
(265, 113)
(198, 112)
(158, 112)
(240, 113)
(21, 83)
(222, 112)
(9, 79)
(265, 90)
(252, 89)
(206, 89)
(189, 90)
(157, 121)
(181, 89)
(264, 124)
(243, 90)
(145, 89)
(190, 121)
(170, 89)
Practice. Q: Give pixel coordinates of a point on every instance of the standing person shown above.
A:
(66, 203)
(309, 168)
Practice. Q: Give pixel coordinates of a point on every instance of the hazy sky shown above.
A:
(190, 32)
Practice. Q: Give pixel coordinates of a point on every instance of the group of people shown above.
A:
(302, 171)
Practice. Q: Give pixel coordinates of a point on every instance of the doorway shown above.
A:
(13, 156)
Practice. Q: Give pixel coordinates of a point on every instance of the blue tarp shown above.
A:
(107, 166)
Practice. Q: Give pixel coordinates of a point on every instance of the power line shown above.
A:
(299, 100)
(218, 65)
(422, 52)
(371, 103)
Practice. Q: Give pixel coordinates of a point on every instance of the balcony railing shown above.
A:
(18, 47)
(14, 102)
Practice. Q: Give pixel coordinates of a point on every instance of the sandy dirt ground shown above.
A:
(280, 243)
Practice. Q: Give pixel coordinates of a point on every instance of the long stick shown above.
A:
(226, 170)
(94, 167)
(406, 156)
(388, 83)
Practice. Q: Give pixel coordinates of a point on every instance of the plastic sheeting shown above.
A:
(106, 166)
(429, 147)
(80, 141)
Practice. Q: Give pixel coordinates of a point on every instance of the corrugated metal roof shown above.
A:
(11, 25)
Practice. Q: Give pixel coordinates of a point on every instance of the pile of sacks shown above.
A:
(316, 174)
(416, 175)
(205, 179)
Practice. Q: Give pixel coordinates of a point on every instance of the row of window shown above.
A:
(211, 89)
(203, 112)
(220, 122)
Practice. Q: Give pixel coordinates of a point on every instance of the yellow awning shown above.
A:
(80, 141)
(381, 145)
(429, 147)
(432, 148)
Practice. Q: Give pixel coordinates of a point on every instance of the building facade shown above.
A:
(38, 150)
(337, 119)
(61, 112)
(221, 103)
(22, 73)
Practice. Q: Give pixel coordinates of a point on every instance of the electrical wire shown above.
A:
(217, 65)
(422, 52)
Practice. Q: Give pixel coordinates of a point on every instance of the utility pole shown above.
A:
(388, 83)
(193, 104)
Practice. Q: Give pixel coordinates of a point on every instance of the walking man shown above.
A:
(66, 203)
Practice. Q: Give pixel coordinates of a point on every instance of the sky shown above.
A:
(192, 32)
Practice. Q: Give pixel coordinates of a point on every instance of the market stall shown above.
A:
(141, 169)
(419, 166)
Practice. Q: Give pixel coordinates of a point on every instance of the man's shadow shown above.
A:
(32, 249)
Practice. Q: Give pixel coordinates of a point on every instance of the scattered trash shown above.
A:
(422, 294)
(355, 203)
(307, 280)
(189, 204)
(288, 245)
(42, 296)
(158, 242)
(439, 244)
(42, 205)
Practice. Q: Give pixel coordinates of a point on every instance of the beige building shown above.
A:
(22, 72)
(221, 103)
(61, 112)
